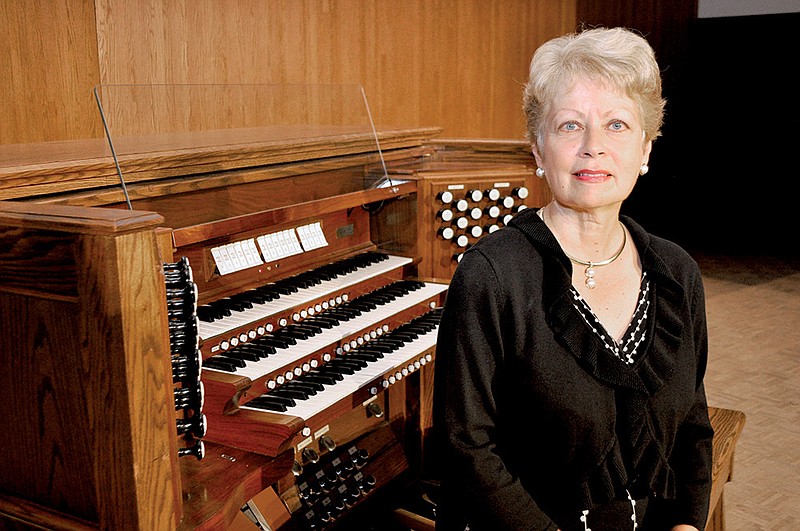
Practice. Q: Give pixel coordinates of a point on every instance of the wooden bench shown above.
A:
(728, 425)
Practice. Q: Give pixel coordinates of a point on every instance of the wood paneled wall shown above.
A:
(48, 66)
(459, 64)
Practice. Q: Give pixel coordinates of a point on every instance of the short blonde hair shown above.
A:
(617, 57)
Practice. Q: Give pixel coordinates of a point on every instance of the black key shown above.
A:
(269, 397)
(376, 345)
(274, 403)
(370, 351)
(364, 356)
(309, 327)
(345, 362)
(288, 392)
(404, 335)
(322, 379)
(268, 292)
(391, 341)
(277, 342)
(263, 346)
(224, 357)
(362, 305)
(220, 364)
(294, 332)
(284, 289)
(339, 369)
(254, 350)
(311, 387)
(241, 354)
(255, 297)
(343, 314)
(233, 304)
(270, 406)
(322, 321)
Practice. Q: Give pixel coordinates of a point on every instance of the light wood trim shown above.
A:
(60, 168)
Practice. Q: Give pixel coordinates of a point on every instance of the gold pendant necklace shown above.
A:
(589, 265)
(589, 271)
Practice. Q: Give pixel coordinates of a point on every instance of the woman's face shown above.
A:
(592, 147)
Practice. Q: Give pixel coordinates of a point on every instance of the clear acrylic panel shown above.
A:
(150, 119)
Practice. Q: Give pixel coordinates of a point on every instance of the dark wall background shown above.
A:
(740, 134)
(723, 176)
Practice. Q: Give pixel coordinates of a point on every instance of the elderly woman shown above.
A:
(572, 348)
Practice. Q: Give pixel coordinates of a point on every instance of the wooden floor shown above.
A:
(753, 308)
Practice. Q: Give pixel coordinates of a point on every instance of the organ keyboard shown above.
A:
(325, 337)
(373, 366)
(315, 381)
(324, 284)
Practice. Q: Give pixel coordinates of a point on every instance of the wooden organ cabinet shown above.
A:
(250, 341)
(466, 190)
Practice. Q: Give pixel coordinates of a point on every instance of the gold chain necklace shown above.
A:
(589, 265)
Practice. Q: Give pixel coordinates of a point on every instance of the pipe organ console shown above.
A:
(250, 345)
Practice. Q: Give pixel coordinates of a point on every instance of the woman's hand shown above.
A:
(684, 527)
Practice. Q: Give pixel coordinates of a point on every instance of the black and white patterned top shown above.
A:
(626, 349)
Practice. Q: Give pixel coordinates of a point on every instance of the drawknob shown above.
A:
(198, 450)
(310, 455)
(327, 443)
(374, 410)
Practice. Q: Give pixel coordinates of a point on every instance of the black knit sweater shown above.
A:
(536, 421)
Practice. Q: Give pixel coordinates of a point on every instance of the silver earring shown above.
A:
(540, 172)
(644, 168)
